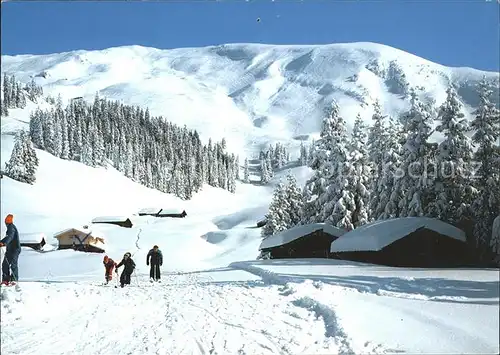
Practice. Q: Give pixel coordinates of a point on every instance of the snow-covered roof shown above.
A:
(31, 238)
(379, 234)
(73, 230)
(150, 210)
(297, 232)
(109, 219)
(170, 211)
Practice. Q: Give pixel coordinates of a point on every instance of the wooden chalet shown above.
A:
(405, 242)
(171, 213)
(35, 241)
(76, 239)
(118, 221)
(150, 211)
(261, 223)
(303, 241)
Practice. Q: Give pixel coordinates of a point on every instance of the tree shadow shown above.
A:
(409, 285)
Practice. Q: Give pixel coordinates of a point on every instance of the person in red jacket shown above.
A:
(109, 265)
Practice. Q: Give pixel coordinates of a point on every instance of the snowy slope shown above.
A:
(251, 94)
(279, 307)
(245, 307)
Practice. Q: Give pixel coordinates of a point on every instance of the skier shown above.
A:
(156, 261)
(128, 269)
(13, 244)
(109, 265)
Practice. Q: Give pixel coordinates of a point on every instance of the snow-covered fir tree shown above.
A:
(495, 239)
(376, 143)
(333, 174)
(319, 161)
(388, 186)
(23, 161)
(359, 158)
(246, 172)
(265, 174)
(486, 125)
(338, 201)
(453, 185)
(418, 164)
(278, 217)
(270, 168)
(237, 168)
(303, 158)
(295, 201)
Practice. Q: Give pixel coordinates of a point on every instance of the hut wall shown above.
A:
(313, 245)
(35, 246)
(423, 248)
(125, 224)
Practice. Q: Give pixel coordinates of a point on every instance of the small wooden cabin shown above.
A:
(171, 213)
(150, 211)
(303, 241)
(78, 240)
(118, 221)
(405, 242)
(261, 223)
(35, 241)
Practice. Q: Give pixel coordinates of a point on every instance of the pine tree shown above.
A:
(377, 141)
(453, 186)
(278, 216)
(7, 92)
(65, 151)
(303, 154)
(495, 238)
(337, 202)
(359, 158)
(269, 166)
(30, 158)
(246, 172)
(322, 160)
(388, 187)
(417, 161)
(23, 160)
(487, 130)
(36, 129)
(264, 173)
(295, 201)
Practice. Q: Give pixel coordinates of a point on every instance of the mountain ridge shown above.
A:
(252, 94)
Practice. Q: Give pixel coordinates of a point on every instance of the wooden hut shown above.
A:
(150, 211)
(303, 241)
(261, 223)
(79, 240)
(405, 242)
(35, 241)
(171, 213)
(116, 220)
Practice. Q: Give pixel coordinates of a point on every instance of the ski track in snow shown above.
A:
(311, 295)
(184, 314)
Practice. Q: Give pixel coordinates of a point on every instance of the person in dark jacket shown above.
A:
(11, 241)
(155, 258)
(109, 265)
(128, 269)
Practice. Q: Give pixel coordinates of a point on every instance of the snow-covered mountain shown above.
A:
(252, 94)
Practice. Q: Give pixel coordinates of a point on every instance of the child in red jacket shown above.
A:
(109, 265)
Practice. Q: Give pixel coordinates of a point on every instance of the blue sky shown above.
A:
(455, 33)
